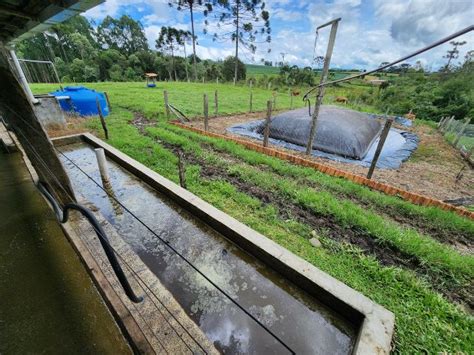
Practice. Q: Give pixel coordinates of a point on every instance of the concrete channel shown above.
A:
(306, 309)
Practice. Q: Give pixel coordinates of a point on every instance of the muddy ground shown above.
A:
(430, 171)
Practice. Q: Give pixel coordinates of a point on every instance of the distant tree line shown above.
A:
(118, 50)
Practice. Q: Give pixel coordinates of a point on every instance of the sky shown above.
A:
(370, 32)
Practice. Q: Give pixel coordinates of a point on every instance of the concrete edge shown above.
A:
(376, 324)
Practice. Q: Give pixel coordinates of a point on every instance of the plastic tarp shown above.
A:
(397, 148)
(339, 131)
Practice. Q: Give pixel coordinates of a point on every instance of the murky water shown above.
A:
(304, 324)
(48, 303)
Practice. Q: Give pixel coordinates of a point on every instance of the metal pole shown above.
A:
(57, 76)
(22, 78)
(383, 137)
(324, 75)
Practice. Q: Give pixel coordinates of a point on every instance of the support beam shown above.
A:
(12, 12)
(19, 114)
(324, 75)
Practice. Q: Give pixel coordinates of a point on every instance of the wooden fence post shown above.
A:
(216, 104)
(266, 131)
(206, 112)
(181, 169)
(250, 102)
(102, 120)
(108, 101)
(383, 137)
(459, 135)
(167, 108)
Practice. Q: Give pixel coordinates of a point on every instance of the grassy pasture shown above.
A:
(188, 97)
(420, 293)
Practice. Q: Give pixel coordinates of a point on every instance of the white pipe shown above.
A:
(102, 162)
(23, 80)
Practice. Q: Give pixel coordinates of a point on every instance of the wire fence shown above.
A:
(460, 134)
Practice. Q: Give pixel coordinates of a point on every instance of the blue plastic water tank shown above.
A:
(81, 100)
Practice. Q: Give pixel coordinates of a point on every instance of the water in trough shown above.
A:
(301, 321)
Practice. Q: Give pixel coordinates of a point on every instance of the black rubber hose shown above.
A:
(63, 216)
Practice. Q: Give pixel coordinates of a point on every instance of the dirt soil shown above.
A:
(431, 171)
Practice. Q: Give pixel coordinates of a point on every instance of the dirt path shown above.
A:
(431, 170)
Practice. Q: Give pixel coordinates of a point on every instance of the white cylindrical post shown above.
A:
(22, 78)
(102, 162)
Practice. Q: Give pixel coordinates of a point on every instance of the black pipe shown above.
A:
(109, 252)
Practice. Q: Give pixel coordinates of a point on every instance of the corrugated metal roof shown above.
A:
(20, 19)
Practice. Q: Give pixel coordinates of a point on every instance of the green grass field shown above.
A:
(396, 253)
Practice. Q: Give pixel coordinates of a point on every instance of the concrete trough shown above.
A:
(373, 324)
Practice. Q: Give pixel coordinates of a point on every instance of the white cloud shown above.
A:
(365, 39)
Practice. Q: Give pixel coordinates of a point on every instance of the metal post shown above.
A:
(206, 112)
(266, 131)
(324, 75)
(102, 162)
(22, 78)
(57, 76)
(458, 137)
(383, 137)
